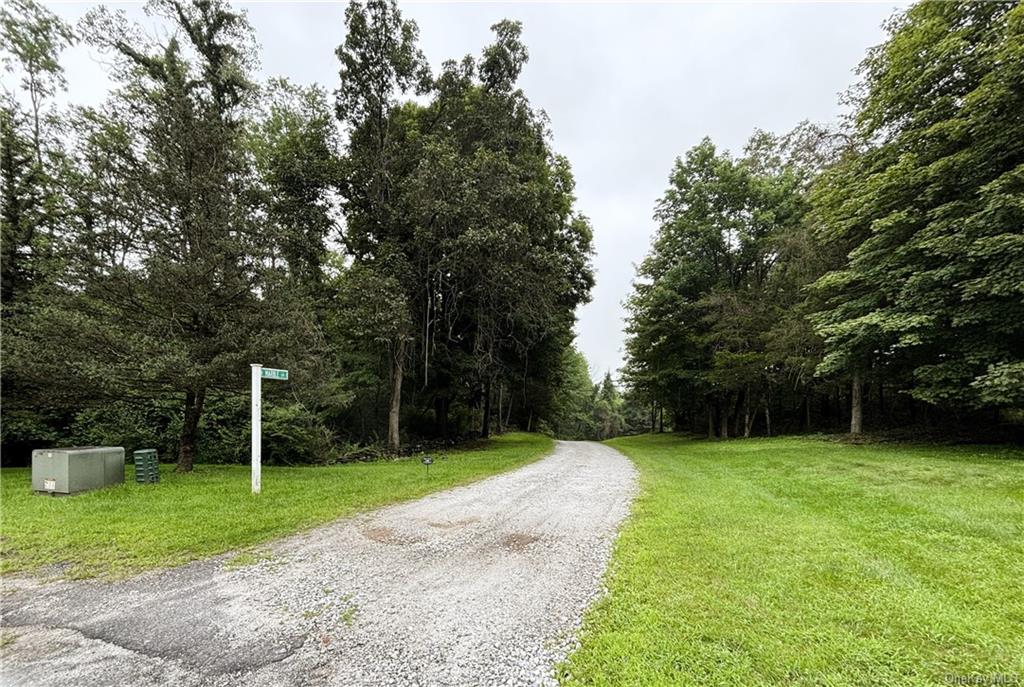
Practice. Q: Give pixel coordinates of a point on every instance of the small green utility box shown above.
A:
(147, 469)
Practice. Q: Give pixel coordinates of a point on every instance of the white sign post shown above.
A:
(258, 373)
(257, 429)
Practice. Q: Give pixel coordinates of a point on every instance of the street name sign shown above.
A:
(259, 373)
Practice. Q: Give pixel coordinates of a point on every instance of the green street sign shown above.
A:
(271, 373)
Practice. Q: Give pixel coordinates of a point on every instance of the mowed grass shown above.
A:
(804, 562)
(133, 527)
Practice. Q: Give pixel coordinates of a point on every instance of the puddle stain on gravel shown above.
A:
(383, 535)
(518, 541)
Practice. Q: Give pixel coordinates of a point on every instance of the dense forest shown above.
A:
(864, 276)
(408, 248)
(407, 244)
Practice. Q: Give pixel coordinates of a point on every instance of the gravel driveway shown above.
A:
(480, 585)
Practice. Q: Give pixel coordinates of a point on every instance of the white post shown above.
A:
(257, 405)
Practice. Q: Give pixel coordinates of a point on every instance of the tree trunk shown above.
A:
(711, 421)
(856, 406)
(661, 419)
(508, 413)
(723, 421)
(441, 416)
(35, 97)
(501, 426)
(395, 404)
(654, 407)
(736, 416)
(485, 423)
(748, 417)
(807, 412)
(767, 417)
(881, 404)
(189, 429)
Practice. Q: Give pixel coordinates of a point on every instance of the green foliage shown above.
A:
(608, 409)
(885, 256)
(572, 416)
(715, 322)
(292, 435)
(24, 194)
(460, 222)
(31, 41)
(32, 38)
(581, 409)
(157, 298)
(1001, 385)
(32, 202)
(807, 562)
(156, 245)
(380, 62)
(294, 145)
(131, 425)
(928, 206)
(21, 427)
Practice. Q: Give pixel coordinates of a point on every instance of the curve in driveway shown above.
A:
(480, 585)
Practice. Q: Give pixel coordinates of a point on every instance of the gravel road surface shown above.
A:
(481, 585)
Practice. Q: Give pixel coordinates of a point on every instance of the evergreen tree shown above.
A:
(169, 290)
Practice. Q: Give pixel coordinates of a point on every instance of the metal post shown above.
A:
(257, 404)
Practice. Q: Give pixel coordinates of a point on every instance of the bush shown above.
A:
(131, 425)
(292, 434)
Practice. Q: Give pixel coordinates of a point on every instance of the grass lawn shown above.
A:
(132, 527)
(804, 562)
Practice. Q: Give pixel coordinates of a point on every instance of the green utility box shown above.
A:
(147, 469)
(75, 469)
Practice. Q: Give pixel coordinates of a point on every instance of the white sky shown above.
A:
(628, 88)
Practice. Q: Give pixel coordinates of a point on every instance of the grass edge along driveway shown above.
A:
(132, 527)
(805, 562)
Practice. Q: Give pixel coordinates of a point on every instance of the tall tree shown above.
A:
(928, 208)
(32, 199)
(510, 256)
(463, 208)
(170, 289)
(380, 63)
(31, 41)
(294, 145)
(711, 305)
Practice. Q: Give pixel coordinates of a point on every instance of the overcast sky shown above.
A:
(628, 88)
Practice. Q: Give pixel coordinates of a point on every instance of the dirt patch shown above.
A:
(384, 535)
(518, 541)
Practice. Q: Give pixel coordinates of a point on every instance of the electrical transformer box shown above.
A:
(71, 470)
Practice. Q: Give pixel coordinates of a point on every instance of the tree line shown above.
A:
(408, 248)
(867, 274)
